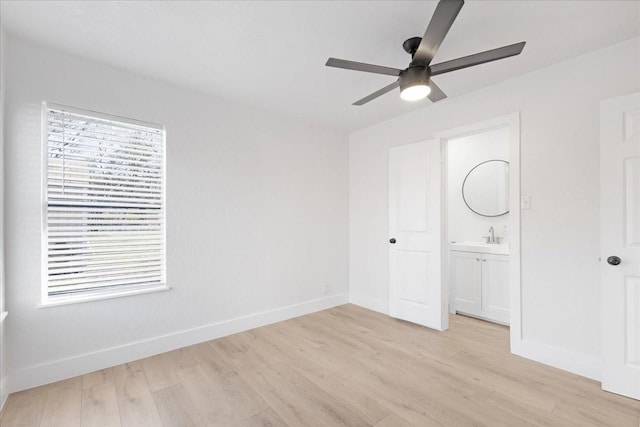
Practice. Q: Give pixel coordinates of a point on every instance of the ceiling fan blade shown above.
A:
(360, 66)
(436, 93)
(477, 59)
(442, 20)
(378, 93)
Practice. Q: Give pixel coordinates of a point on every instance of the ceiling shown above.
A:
(271, 55)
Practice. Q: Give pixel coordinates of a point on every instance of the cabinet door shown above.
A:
(495, 287)
(465, 282)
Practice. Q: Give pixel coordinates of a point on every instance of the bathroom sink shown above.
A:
(486, 248)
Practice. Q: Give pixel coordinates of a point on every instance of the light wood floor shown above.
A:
(346, 366)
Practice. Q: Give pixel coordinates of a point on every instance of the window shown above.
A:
(104, 219)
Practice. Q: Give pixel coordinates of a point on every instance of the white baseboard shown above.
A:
(576, 363)
(66, 368)
(375, 304)
(34, 376)
(566, 360)
(4, 393)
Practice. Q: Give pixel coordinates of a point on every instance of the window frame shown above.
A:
(96, 295)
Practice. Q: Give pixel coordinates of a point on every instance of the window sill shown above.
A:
(3, 316)
(56, 301)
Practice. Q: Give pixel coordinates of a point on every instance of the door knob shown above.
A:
(614, 260)
(392, 241)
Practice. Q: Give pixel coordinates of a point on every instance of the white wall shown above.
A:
(3, 389)
(463, 154)
(257, 219)
(559, 111)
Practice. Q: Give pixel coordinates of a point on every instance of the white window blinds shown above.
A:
(105, 204)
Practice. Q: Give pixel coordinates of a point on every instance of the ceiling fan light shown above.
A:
(414, 83)
(415, 92)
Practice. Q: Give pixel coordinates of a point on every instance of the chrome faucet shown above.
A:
(492, 239)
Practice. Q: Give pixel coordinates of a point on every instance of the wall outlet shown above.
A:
(325, 289)
(525, 203)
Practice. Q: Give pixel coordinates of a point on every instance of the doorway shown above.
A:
(478, 225)
(481, 221)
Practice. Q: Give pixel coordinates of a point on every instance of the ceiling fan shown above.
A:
(415, 81)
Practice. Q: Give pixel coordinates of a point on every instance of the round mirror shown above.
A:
(485, 189)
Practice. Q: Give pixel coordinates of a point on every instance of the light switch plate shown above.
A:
(525, 203)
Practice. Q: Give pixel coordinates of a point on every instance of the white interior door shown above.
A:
(416, 293)
(620, 241)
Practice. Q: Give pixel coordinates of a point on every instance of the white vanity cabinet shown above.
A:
(479, 284)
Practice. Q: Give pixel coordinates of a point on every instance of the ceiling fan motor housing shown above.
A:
(416, 75)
